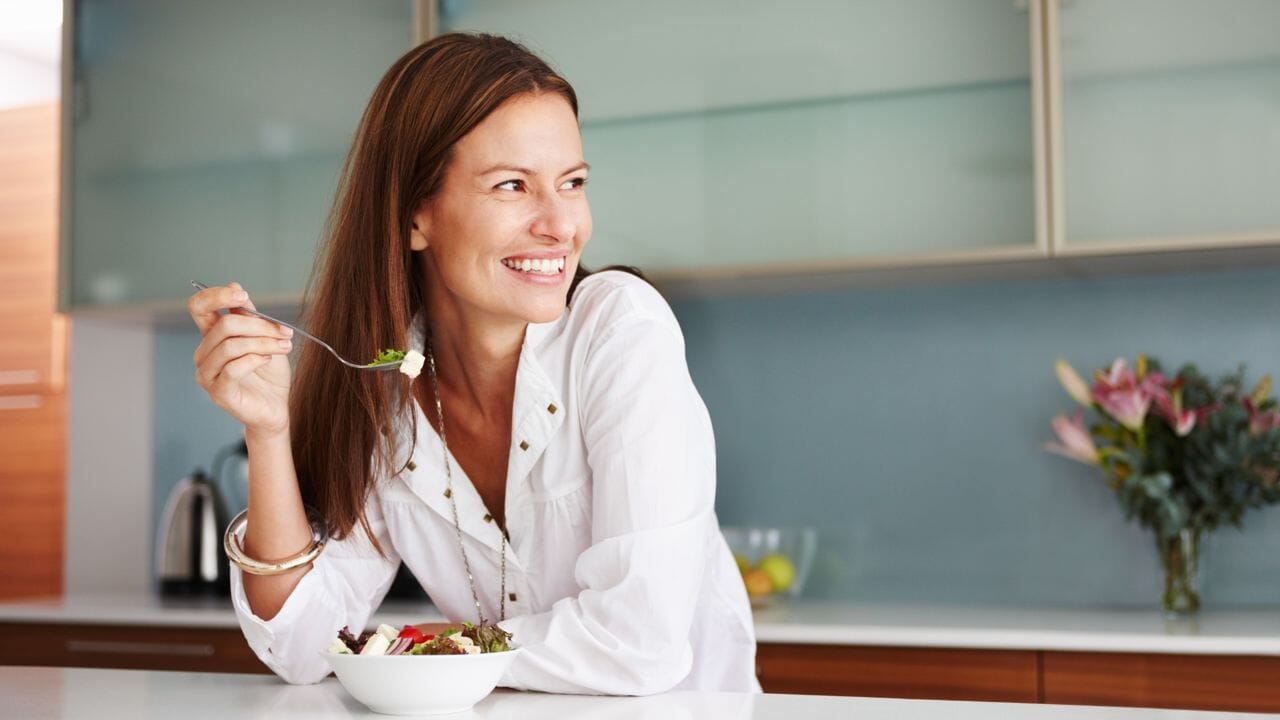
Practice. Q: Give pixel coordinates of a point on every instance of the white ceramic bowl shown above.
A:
(420, 684)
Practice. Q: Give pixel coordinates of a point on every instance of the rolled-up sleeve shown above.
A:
(651, 452)
(345, 583)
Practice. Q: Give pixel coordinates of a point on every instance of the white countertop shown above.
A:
(1219, 632)
(78, 694)
(1214, 632)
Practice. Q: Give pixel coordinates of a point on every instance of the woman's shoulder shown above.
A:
(610, 297)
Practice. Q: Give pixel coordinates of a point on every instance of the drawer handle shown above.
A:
(19, 377)
(111, 647)
(21, 402)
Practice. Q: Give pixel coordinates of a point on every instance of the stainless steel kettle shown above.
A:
(189, 555)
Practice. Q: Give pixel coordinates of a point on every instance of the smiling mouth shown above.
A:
(550, 266)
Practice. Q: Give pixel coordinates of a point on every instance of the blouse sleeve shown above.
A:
(345, 583)
(652, 457)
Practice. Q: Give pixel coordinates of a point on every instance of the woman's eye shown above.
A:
(510, 185)
(575, 184)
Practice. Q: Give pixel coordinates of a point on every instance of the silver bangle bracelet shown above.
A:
(236, 554)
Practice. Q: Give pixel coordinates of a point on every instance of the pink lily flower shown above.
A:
(1073, 383)
(1076, 443)
(1181, 420)
(1260, 422)
(1121, 396)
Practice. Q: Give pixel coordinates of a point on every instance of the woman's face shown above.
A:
(504, 233)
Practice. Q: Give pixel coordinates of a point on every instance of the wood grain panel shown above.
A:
(926, 673)
(33, 344)
(1193, 682)
(33, 469)
(29, 250)
(128, 647)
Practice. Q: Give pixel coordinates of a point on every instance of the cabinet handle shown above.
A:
(21, 402)
(111, 647)
(19, 377)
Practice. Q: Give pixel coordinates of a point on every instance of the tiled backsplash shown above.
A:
(907, 425)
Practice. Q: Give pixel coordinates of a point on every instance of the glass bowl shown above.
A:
(774, 562)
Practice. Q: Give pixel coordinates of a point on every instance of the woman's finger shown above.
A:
(205, 304)
(230, 326)
(232, 373)
(231, 349)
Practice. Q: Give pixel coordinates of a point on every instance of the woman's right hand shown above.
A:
(243, 360)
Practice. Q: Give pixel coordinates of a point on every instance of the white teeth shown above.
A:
(541, 267)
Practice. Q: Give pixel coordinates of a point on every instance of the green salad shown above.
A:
(388, 355)
(386, 640)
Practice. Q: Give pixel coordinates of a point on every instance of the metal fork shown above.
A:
(391, 365)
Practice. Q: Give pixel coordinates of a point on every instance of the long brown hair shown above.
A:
(364, 289)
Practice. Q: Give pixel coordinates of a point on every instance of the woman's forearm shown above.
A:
(277, 526)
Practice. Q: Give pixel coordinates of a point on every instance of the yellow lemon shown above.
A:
(779, 569)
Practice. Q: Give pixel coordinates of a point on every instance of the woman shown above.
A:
(552, 470)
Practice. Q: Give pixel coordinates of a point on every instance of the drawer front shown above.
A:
(33, 500)
(128, 647)
(926, 673)
(1193, 682)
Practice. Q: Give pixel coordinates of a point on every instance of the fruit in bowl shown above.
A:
(774, 562)
(407, 672)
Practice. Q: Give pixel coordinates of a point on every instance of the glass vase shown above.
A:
(1180, 561)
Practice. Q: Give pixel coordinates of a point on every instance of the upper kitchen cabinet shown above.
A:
(1170, 123)
(732, 136)
(207, 137)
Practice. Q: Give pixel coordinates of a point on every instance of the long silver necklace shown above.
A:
(448, 474)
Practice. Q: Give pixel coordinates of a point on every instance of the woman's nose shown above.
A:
(557, 219)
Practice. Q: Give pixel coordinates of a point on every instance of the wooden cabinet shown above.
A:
(1197, 682)
(923, 673)
(32, 357)
(32, 334)
(128, 647)
(32, 494)
(1201, 682)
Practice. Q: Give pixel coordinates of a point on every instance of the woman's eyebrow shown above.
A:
(504, 167)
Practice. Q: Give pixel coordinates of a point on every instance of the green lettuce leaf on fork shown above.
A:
(388, 355)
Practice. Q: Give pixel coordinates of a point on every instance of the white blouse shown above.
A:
(618, 579)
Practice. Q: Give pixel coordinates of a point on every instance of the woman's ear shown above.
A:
(421, 226)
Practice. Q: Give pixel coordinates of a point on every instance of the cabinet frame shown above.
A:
(1046, 255)
(1134, 246)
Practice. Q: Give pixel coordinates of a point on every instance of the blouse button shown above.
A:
(413, 465)
(511, 597)
(488, 517)
(524, 445)
(551, 408)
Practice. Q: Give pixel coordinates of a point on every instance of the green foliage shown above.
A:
(1208, 478)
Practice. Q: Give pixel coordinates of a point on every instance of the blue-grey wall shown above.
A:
(907, 425)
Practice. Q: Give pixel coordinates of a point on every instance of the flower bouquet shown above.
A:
(1183, 454)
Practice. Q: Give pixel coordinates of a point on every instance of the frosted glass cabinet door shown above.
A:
(730, 133)
(208, 136)
(1171, 120)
